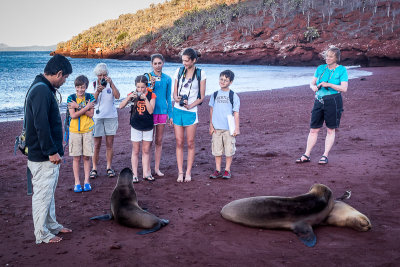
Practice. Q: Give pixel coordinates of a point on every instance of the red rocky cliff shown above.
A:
(365, 38)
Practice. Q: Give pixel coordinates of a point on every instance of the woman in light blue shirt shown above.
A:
(329, 81)
(163, 110)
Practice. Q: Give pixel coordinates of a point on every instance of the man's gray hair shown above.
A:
(100, 68)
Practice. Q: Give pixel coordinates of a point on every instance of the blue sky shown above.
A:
(48, 22)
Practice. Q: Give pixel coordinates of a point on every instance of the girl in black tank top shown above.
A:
(142, 102)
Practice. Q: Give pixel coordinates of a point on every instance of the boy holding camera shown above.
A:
(223, 104)
(81, 109)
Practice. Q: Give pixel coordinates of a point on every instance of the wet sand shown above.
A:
(274, 128)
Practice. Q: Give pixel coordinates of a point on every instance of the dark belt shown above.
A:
(321, 99)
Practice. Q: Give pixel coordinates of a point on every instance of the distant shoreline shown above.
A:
(31, 48)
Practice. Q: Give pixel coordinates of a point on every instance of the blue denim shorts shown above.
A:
(183, 117)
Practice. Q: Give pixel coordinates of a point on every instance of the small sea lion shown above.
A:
(344, 215)
(125, 209)
(298, 213)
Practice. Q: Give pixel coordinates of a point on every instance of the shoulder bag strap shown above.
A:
(26, 97)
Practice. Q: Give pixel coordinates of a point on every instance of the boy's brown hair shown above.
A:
(81, 80)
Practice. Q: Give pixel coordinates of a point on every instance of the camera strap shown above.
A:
(330, 76)
(191, 83)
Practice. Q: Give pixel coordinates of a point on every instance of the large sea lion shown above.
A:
(298, 213)
(125, 209)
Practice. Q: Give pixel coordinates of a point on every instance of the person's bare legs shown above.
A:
(311, 141)
(95, 158)
(179, 136)
(158, 148)
(135, 158)
(110, 151)
(218, 161)
(86, 168)
(146, 147)
(75, 168)
(228, 163)
(329, 141)
(190, 136)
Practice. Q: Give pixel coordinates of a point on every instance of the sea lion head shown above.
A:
(321, 191)
(125, 177)
(357, 220)
(361, 223)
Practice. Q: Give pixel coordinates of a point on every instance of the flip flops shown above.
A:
(300, 160)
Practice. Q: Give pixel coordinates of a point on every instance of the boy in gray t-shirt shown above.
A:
(224, 102)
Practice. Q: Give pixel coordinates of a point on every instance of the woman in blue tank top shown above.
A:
(329, 81)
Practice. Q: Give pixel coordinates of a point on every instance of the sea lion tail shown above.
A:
(105, 217)
(346, 195)
(161, 223)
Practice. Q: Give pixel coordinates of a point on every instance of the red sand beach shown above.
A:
(274, 128)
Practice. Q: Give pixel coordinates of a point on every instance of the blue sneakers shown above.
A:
(87, 187)
(78, 188)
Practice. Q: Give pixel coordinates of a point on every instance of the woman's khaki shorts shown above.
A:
(223, 143)
(81, 144)
(105, 126)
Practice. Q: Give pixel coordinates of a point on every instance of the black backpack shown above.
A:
(197, 72)
(231, 93)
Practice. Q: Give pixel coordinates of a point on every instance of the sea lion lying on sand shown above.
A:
(298, 213)
(125, 209)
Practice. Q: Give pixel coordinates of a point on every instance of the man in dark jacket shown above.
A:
(44, 138)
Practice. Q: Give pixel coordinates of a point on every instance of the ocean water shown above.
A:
(18, 70)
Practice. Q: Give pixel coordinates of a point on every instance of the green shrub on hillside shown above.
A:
(311, 33)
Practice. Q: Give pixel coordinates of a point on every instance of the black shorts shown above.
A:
(328, 109)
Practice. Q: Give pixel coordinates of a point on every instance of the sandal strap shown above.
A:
(110, 172)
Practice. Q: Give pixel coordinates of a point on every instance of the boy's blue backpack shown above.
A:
(67, 120)
(197, 72)
(231, 93)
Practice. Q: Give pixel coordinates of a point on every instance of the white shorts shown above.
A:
(139, 136)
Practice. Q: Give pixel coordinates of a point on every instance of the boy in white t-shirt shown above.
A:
(223, 103)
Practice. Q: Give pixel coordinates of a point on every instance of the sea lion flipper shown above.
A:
(161, 223)
(105, 217)
(305, 233)
(346, 195)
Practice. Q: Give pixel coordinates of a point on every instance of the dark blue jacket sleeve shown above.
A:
(41, 106)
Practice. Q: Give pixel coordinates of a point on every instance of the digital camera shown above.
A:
(181, 102)
(103, 82)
